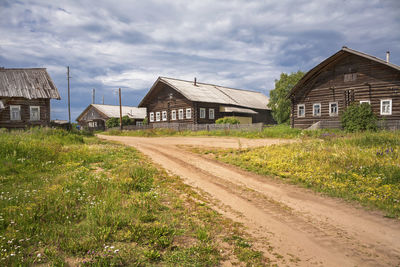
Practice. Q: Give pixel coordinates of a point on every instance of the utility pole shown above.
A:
(120, 110)
(103, 99)
(69, 101)
(93, 96)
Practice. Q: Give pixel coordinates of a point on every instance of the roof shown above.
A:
(112, 111)
(211, 93)
(345, 50)
(27, 83)
(230, 109)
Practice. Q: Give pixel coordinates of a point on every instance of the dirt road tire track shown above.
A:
(295, 221)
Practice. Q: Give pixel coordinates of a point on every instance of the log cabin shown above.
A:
(177, 101)
(25, 97)
(347, 77)
(94, 117)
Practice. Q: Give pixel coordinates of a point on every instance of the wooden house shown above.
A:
(25, 97)
(94, 117)
(346, 77)
(177, 101)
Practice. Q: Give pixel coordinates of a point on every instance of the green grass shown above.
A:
(70, 199)
(364, 167)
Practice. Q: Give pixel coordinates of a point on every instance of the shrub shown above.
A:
(114, 122)
(227, 120)
(359, 118)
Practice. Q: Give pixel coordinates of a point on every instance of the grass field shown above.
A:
(364, 167)
(72, 199)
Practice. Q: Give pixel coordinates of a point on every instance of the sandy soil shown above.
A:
(291, 225)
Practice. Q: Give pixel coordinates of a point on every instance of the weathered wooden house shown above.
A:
(177, 101)
(25, 97)
(346, 77)
(94, 117)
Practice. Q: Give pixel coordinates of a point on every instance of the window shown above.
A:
(173, 115)
(188, 113)
(365, 101)
(93, 124)
(317, 109)
(350, 77)
(164, 115)
(211, 113)
(301, 110)
(180, 114)
(333, 109)
(139, 123)
(15, 113)
(202, 113)
(151, 116)
(386, 107)
(158, 116)
(34, 113)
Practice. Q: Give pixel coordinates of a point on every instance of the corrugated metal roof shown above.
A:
(112, 111)
(236, 109)
(211, 93)
(27, 83)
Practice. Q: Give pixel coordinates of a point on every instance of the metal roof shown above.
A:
(211, 93)
(317, 69)
(112, 111)
(27, 83)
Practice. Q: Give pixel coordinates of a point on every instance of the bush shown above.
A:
(359, 118)
(114, 122)
(227, 120)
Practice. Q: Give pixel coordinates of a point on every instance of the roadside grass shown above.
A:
(364, 167)
(70, 199)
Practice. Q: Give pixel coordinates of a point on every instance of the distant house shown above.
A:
(25, 97)
(346, 77)
(172, 100)
(94, 117)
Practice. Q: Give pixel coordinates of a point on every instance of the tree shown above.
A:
(278, 102)
(114, 122)
(359, 118)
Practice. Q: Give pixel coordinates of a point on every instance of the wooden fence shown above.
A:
(194, 127)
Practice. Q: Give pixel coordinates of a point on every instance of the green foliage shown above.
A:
(227, 120)
(114, 122)
(359, 118)
(278, 102)
(145, 121)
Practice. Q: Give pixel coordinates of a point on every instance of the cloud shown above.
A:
(237, 43)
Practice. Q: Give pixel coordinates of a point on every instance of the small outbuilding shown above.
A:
(94, 117)
(25, 97)
(172, 100)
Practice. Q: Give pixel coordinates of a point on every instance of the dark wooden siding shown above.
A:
(25, 121)
(374, 82)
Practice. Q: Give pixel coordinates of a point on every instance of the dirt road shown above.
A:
(292, 225)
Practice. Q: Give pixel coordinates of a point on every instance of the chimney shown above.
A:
(387, 56)
(195, 81)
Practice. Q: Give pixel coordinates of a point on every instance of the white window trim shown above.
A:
(151, 116)
(298, 110)
(390, 112)
(211, 111)
(365, 101)
(180, 112)
(313, 109)
(164, 115)
(30, 113)
(330, 110)
(202, 113)
(173, 115)
(188, 113)
(19, 112)
(158, 116)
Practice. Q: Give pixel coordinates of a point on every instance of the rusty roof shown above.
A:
(29, 83)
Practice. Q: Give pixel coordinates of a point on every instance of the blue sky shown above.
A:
(241, 44)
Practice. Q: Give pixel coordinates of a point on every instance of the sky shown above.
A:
(128, 44)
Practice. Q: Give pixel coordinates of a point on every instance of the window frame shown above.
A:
(11, 112)
(30, 113)
(180, 114)
(390, 105)
(211, 111)
(365, 101)
(298, 110)
(164, 115)
(202, 113)
(313, 109)
(188, 113)
(330, 109)
(158, 116)
(173, 115)
(151, 114)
